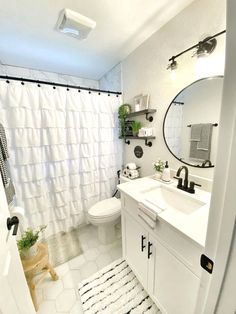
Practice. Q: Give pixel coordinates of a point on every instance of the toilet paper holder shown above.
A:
(13, 221)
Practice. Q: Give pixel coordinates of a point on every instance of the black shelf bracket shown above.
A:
(148, 143)
(127, 141)
(150, 119)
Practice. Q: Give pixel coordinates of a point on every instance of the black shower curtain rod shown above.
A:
(22, 80)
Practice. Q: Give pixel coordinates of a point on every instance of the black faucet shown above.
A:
(205, 163)
(185, 187)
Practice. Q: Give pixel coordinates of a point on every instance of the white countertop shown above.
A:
(193, 225)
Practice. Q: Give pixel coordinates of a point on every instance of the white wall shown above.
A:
(46, 76)
(144, 71)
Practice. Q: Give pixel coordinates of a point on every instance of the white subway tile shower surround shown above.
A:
(62, 296)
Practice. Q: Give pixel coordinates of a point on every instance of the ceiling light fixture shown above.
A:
(203, 48)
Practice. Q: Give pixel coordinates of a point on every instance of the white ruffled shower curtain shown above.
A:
(64, 150)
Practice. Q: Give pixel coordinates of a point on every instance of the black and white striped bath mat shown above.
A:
(115, 290)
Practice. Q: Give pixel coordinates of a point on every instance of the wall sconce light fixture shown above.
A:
(172, 66)
(203, 48)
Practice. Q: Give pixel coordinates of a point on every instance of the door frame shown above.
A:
(222, 210)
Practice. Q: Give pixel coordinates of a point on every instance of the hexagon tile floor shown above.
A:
(61, 297)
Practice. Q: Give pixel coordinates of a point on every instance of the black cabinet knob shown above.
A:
(13, 221)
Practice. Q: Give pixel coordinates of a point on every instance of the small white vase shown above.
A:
(32, 251)
(157, 175)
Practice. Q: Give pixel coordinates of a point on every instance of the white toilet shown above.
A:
(105, 215)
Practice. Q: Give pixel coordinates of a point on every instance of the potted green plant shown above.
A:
(159, 166)
(136, 126)
(122, 113)
(27, 244)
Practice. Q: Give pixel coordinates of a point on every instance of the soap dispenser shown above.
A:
(166, 173)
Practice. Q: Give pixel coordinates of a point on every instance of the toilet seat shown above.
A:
(107, 208)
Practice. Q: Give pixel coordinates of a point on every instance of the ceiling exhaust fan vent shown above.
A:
(74, 24)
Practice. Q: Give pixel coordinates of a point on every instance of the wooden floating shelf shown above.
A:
(139, 113)
(146, 112)
(146, 138)
(140, 137)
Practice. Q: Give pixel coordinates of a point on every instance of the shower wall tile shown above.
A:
(47, 76)
(112, 79)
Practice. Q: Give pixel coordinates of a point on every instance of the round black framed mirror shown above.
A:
(190, 127)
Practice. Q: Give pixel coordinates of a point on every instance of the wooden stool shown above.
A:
(35, 264)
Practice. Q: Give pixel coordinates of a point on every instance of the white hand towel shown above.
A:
(151, 212)
(146, 219)
(156, 203)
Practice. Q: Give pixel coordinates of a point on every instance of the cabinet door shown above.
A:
(174, 286)
(135, 240)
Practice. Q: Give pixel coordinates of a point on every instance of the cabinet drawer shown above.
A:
(185, 249)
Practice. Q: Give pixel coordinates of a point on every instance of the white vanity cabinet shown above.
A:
(163, 261)
(173, 286)
(135, 247)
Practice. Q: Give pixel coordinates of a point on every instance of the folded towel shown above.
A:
(205, 140)
(196, 130)
(198, 154)
(149, 212)
(155, 202)
(146, 219)
(10, 192)
(4, 167)
(3, 143)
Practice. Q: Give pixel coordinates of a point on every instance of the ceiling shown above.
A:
(29, 39)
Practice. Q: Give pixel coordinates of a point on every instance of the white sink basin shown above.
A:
(171, 198)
